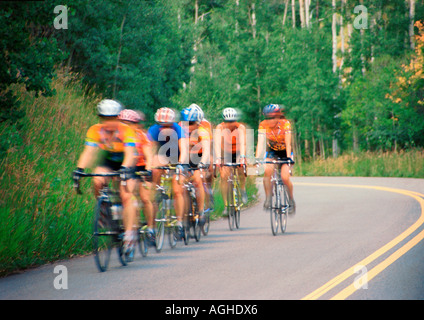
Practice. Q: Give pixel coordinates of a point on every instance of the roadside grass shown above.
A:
(403, 164)
(42, 219)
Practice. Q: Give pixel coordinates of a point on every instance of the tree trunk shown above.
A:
(334, 32)
(411, 23)
(119, 55)
(294, 13)
(285, 12)
(302, 13)
(307, 4)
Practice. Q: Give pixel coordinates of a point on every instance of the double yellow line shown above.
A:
(349, 290)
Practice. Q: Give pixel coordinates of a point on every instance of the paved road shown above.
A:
(344, 228)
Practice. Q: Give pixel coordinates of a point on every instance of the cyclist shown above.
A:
(230, 147)
(209, 175)
(171, 148)
(118, 141)
(199, 150)
(275, 138)
(144, 163)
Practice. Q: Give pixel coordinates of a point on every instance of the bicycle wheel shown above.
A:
(284, 208)
(123, 258)
(142, 242)
(194, 219)
(206, 224)
(102, 235)
(160, 224)
(186, 228)
(237, 197)
(230, 207)
(275, 208)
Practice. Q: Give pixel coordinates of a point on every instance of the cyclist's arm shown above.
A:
(183, 145)
(205, 151)
(242, 132)
(129, 157)
(148, 155)
(87, 157)
(288, 137)
(217, 142)
(260, 149)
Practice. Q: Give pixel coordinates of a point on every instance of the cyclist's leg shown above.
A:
(178, 191)
(242, 181)
(129, 211)
(269, 169)
(200, 192)
(225, 173)
(99, 182)
(145, 197)
(285, 176)
(148, 211)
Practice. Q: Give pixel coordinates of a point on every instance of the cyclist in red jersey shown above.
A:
(144, 163)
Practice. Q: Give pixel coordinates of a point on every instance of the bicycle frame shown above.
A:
(233, 197)
(166, 221)
(279, 198)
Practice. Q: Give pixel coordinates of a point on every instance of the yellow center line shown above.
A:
(376, 270)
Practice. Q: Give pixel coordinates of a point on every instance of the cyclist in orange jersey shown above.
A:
(230, 147)
(275, 138)
(144, 163)
(118, 141)
(199, 151)
(209, 174)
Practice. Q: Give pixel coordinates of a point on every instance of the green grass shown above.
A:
(405, 164)
(42, 219)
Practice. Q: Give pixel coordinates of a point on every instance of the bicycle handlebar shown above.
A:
(280, 161)
(84, 174)
(232, 164)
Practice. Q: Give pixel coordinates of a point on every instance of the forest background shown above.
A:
(349, 73)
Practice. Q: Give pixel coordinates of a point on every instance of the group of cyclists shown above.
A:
(125, 146)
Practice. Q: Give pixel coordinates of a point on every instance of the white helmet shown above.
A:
(229, 114)
(109, 108)
(201, 113)
(165, 115)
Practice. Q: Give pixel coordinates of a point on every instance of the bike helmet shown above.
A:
(201, 113)
(190, 114)
(109, 108)
(273, 110)
(229, 114)
(129, 115)
(165, 115)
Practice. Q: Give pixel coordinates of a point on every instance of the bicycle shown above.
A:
(279, 196)
(166, 220)
(143, 241)
(108, 229)
(207, 212)
(191, 217)
(234, 195)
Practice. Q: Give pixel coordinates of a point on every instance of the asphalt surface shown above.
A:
(344, 228)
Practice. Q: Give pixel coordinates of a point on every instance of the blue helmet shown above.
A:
(190, 114)
(273, 109)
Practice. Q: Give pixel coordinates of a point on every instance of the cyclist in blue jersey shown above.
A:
(171, 148)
